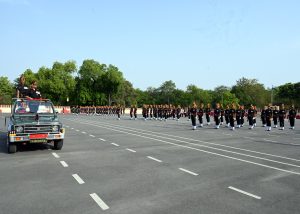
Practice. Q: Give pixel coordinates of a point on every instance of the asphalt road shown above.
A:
(138, 167)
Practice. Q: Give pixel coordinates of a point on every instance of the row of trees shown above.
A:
(100, 84)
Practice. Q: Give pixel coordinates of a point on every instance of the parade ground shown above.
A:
(153, 167)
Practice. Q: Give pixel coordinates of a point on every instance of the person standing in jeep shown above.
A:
(22, 90)
(33, 92)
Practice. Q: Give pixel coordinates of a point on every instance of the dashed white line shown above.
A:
(102, 139)
(188, 171)
(72, 128)
(83, 132)
(152, 158)
(115, 144)
(273, 141)
(77, 130)
(99, 201)
(92, 135)
(131, 150)
(64, 164)
(55, 155)
(78, 179)
(244, 192)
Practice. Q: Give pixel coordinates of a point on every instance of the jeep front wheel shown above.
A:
(12, 148)
(58, 144)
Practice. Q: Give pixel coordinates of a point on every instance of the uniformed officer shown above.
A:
(217, 115)
(22, 90)
(269, 114)
(33, 92)
(238, 114)
(275, 116)
(200, 114)
(281, 115)
(232, 116)
(227, 111)
(251, 113)
(193, 114)
(292, 117)
(263, 116)
(207, 113)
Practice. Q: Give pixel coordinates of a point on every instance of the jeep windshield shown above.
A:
(25, 107)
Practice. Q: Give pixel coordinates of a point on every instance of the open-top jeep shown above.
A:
(33, 121)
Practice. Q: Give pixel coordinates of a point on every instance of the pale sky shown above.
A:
(207, 43)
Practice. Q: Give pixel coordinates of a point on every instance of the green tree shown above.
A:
(6, 90)
(167, 88)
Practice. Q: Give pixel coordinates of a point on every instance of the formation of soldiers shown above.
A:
(117, 110)
(232, 116)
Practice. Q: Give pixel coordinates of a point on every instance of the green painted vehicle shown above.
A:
(33, 121)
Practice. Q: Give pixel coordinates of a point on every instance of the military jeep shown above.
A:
(33, 121)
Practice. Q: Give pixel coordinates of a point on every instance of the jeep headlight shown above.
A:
(19, 129)
(55, 128)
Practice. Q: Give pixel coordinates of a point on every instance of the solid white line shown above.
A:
(102, 139)
(83, 132)
(55, 155)
(64, 164)
(131, 150)
(188, 171)
(243, 192)
(273, 141)
(152, 158)
(78, 179)
(92, 135)
(115, 144)
(99, 201)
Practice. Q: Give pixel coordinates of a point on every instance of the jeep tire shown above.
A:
(58, 144)
(12, 148)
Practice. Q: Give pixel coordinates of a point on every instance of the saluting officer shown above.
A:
(292, 116)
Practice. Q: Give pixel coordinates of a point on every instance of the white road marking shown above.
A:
(72, 128)
(243, 192)
(67, 126)
(102, 139)
(227, 134)
(55, 155)
(188, 171)
(208, 152)
(131, 150)
(99, 201)
(92, 135)
(273, 141)
(64, 164)
(78, 179)
(251, 138)
(115, 144)
(83, 132)
(152, 158)
(77, 130)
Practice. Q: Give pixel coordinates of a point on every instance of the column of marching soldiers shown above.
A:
(232, 116)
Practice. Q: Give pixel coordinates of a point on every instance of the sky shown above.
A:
(207, 43)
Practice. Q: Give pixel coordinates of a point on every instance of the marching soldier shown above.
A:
(275, 116)
(193, 114)
(251, 113)
(263, 116)
(200, 114)
(292, 117)
(131, 112)
(217, 115)
(269, 114)
(207, 113)
(227, 113)
(281, 115)
(255, 114)
(232, 116)
(222, 114)
(238, 114)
